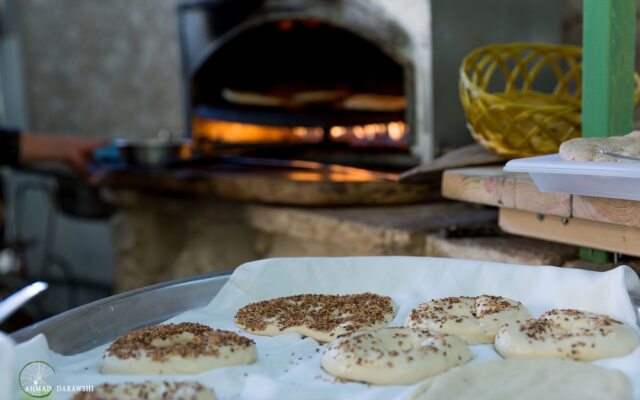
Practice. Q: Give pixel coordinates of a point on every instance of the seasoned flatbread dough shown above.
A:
(185, 348)
(475, 319)
(320, 316)
(149, 390)
(588, 149)
(573, 334)
(527, 379)
(393, 356)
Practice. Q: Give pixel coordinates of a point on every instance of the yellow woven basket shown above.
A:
(524, 99)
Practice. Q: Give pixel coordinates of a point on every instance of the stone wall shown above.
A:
(101, 68)
(161, 238)
(157, 239)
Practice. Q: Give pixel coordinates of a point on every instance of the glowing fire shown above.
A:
(308, 134)
(363, 135)
(235, 132)
(392, 134)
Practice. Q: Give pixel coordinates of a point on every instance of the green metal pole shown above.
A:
(609, 39)
(609, 36)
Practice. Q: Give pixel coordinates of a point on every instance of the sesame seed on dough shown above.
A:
(475, 319)
(320, 316)
(567, 333)
(184, 348)
(204, 341)
(379, 357)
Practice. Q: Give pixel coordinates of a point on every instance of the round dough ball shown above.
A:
(474, 319)
(393, 356)
(149, 390)
(527, 379)
(320, 316)
(570, 334)
(185, 348)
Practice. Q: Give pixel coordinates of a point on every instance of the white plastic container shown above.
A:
(8, 377)
(601, 179)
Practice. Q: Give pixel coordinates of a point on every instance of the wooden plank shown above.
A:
(574, 231)
(529, 198)
(491, 186)
(608, 67)
(614, 211)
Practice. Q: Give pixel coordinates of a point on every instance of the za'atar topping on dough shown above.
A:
(186, 339)
(321, 316)
(393, 355)
(475, 319)
(185, 348)
(567, 333)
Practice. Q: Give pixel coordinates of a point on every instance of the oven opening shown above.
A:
(302, 83)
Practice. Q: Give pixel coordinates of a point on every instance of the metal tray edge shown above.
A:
(103, 320)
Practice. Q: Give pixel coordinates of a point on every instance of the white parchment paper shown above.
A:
(288, 366)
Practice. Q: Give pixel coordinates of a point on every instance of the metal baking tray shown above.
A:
(93, 324)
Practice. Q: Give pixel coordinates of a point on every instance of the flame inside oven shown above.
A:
(390, 135)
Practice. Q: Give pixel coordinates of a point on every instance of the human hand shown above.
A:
(76, 152)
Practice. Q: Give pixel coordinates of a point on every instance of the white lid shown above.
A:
(553, 164)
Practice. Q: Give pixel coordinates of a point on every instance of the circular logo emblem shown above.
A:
(33, 379)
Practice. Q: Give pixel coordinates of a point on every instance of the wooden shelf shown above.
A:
(576, 231)
(491, 186)
(606, 224)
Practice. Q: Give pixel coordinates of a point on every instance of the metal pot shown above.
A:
(78, 199)
(72, 195)
(154, 152)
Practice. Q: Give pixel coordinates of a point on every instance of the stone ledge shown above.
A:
(513, 250)
(385, 230)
